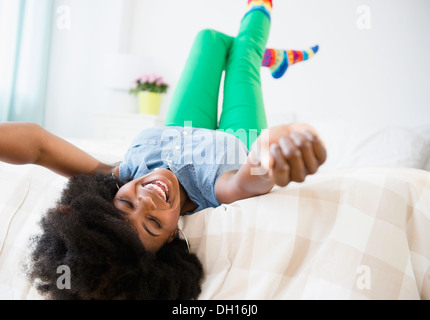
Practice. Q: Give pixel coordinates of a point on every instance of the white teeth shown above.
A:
(164, 185)
(159, 190)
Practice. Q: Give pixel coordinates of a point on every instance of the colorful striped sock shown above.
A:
(262, 5)
(280, 60)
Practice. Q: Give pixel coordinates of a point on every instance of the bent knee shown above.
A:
(211, 36)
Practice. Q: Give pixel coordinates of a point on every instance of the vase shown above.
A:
(149, 102)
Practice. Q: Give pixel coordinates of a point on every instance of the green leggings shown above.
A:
(195, 99)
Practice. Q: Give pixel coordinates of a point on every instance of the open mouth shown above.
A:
(160, 187)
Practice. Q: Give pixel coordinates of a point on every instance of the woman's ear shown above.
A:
(173, 235)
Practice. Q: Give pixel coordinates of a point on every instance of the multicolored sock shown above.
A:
(279, 60)
(262, 5)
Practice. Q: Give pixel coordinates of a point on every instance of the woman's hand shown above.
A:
(280, 155)
(288, 153)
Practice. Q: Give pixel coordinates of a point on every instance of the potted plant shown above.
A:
(149, 90)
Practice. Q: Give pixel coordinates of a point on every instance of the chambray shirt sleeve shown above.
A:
(132, 165)
(144, 151)
(224, 154)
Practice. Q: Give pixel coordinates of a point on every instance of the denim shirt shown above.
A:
(197, 157)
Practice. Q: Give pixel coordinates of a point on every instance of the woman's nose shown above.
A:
(146, 203)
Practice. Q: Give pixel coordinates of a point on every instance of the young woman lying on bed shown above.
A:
(116, 227)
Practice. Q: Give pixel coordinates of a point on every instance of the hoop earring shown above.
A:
(114, 178)
(185, 238)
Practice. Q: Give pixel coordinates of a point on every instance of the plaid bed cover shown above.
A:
(359, 233)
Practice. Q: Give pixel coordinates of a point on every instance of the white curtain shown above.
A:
(25, 34)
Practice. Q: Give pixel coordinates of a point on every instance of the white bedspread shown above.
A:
(359, 233)
(351, 233)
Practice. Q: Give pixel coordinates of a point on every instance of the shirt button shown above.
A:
(178, 147)
(185, 133)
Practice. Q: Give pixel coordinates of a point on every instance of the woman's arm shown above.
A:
(280, 155)
(29, 143)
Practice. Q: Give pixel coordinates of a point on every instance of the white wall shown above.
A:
(81, 64)
(377, 74)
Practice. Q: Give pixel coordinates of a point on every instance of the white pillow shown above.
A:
(427, 165)
(352, 144)
(424, 132)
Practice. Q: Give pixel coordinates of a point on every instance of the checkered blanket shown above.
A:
(358, 233)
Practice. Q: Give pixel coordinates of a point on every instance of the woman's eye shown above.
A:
(155, 222)
(128, 203)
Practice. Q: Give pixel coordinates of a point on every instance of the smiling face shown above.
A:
(152, 205)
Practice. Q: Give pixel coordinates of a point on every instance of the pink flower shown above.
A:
(144, 78)
(160, 81)
(152, 78)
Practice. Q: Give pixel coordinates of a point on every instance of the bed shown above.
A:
(358, 229)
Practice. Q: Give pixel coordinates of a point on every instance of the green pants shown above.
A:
(195, 100)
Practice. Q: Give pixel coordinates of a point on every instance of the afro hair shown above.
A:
(106, 258)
